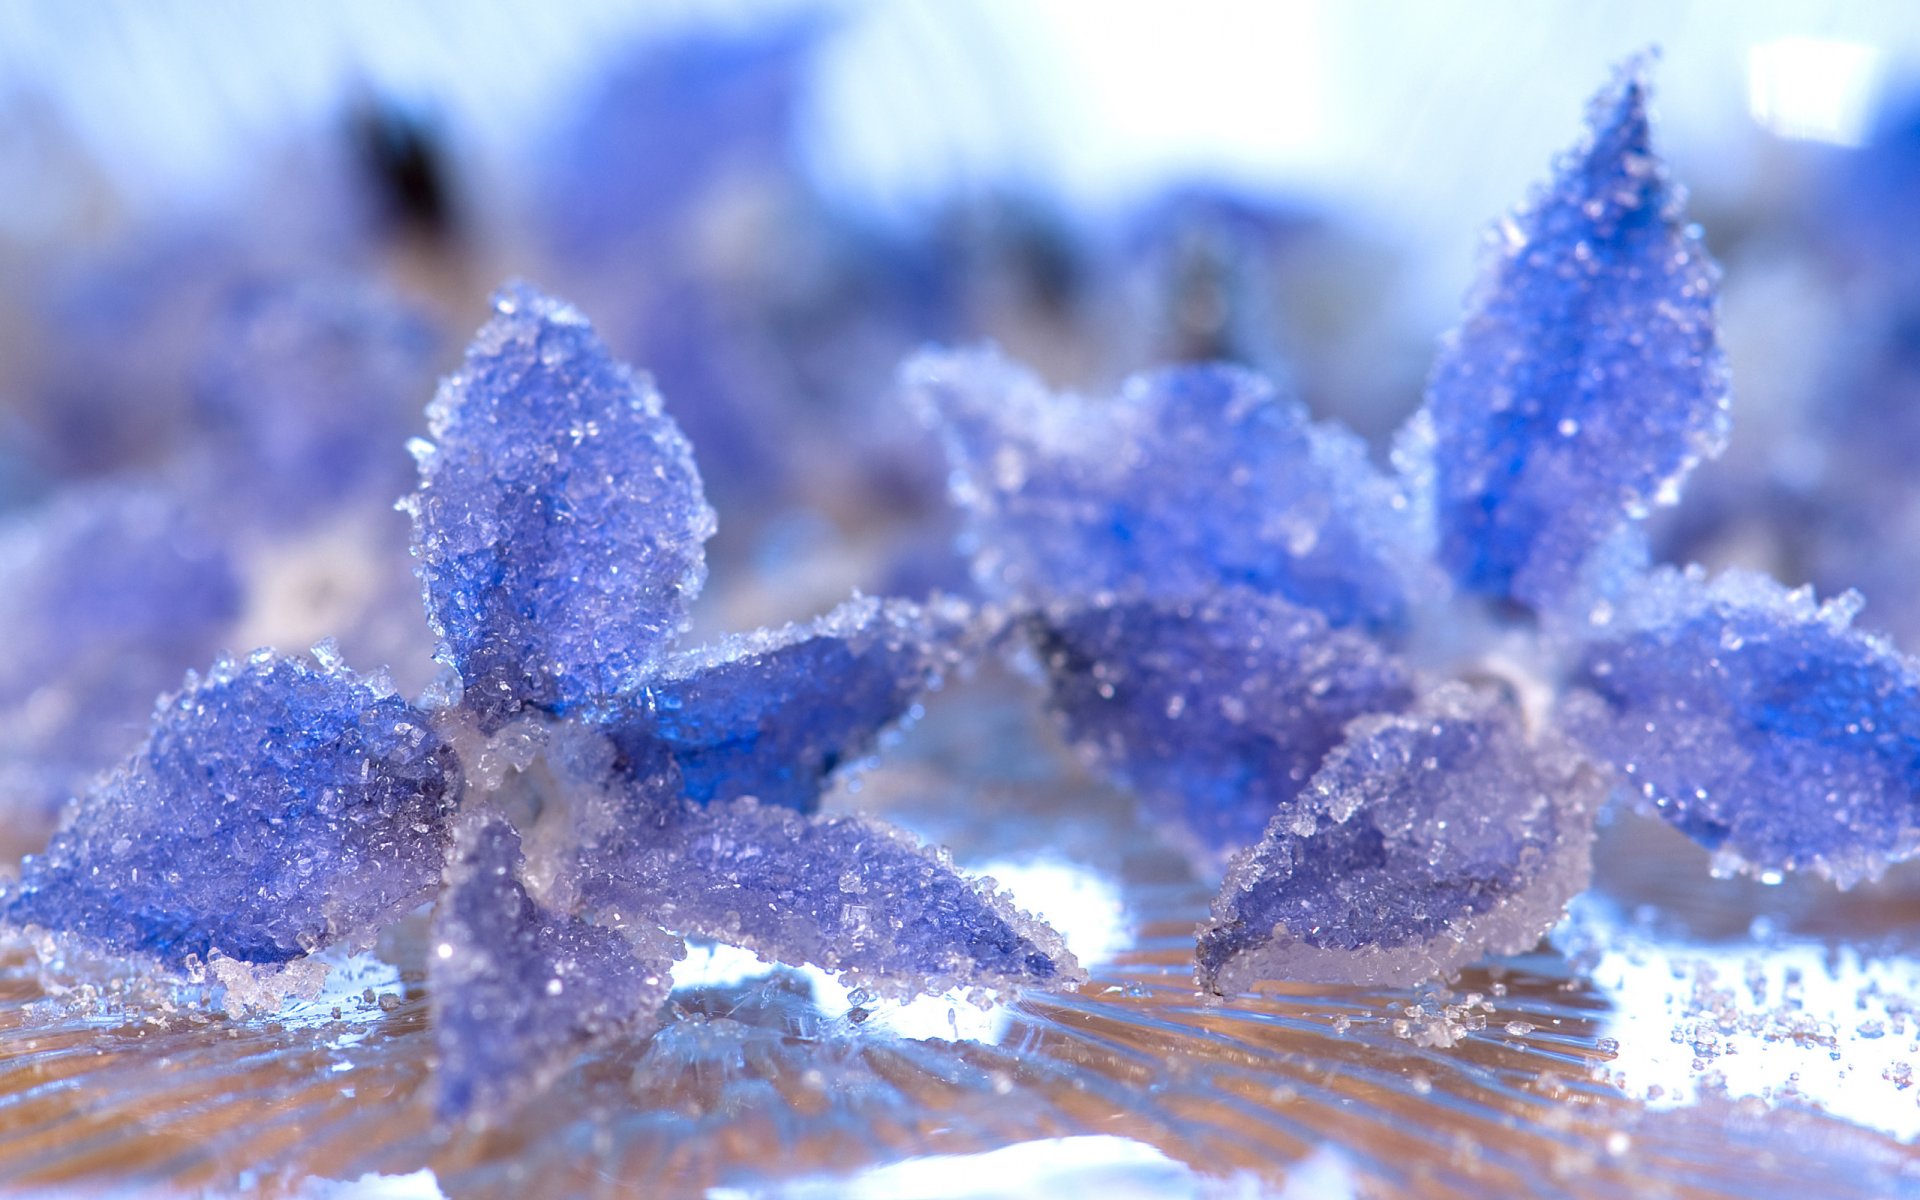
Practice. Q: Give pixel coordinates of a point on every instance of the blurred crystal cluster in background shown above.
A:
(239, 243)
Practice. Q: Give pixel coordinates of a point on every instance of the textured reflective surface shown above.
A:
(1696, 1052)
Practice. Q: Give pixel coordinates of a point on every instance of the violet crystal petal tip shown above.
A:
(1427, 840)
(1759, 722)
(776, 713)
(519, 989)
(276, 807)
(844, 893)
(560, 523)
(1586, 379)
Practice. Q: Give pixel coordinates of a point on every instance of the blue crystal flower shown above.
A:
(560, 525)
(279, 807)
(1242, 620)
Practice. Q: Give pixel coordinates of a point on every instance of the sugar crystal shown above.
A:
(1425, 841)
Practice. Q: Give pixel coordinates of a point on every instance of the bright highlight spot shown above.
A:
(1114, 1168)
(1814, 90)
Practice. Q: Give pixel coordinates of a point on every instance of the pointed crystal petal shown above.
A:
(1587, 379)
(560, 524)
(1757, 721)
(1425, 841)
(840, 892)
(775, 713)
(519, 989)
(277, 807)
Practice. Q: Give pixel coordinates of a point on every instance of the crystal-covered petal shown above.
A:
(111, 593)
(1587, 378)
(773, 714)
(1216, 713)
(276, 807)
(1425, 841)
(1190, 478)
(1758, 722)
(307, 395)
(518, 989)
(840, 892)
(560, 523)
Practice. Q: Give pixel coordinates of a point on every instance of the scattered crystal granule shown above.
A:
(839, 892)
(1586, 380)
(1190, 479)
(1426, 840)
(1757, 721)
(773, 714)
(1216, 713)
(112, 592)
(560, 524)
(307, 395)
(518, 989)
(276, 807)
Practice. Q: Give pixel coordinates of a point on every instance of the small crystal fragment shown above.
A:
(839, 892)
(1587, 379)
(1757, 721)
(1191, 478)
(1425, 841)
(276, 807)
(519, 989)
(773, 714)
(560, 523)
(1216, 713)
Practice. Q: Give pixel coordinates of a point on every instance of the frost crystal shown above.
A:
(1216, 713)
(518, 989)
(1190, 478)
(1758, 722)
(560, 522)
(275, 808)
(1425, 841)
(839, 892)
(1587, 378)
(773, 714)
